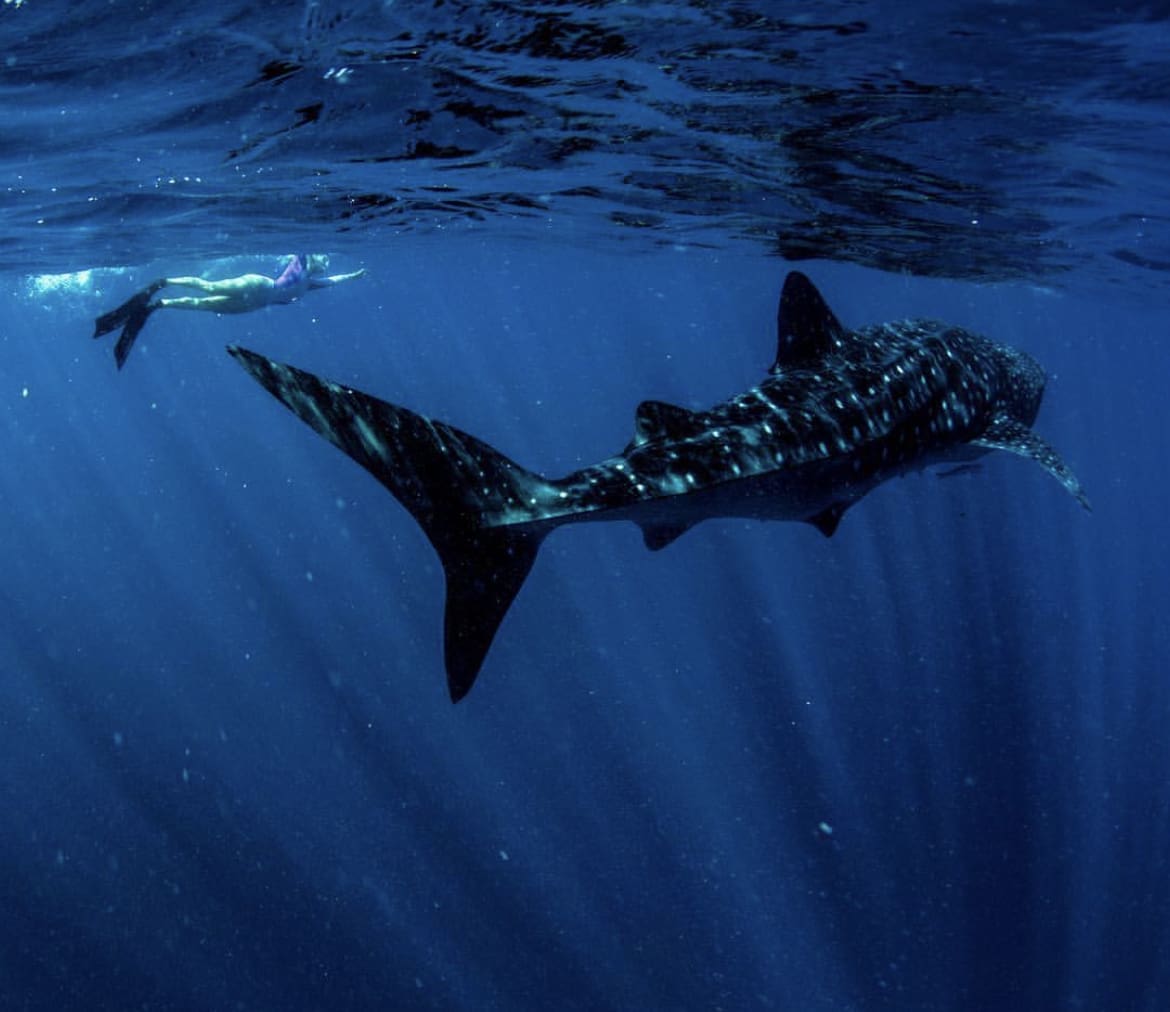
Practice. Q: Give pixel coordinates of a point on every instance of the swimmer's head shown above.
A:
(315, 263)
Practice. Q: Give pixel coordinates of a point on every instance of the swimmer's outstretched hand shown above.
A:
(334, 279)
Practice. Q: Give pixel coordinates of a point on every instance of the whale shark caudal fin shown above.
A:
(131, 316)
(451, 483)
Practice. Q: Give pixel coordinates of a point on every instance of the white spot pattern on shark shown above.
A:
(838, 413)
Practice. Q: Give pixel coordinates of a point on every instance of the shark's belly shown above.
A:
(805, 491)
(786, 494)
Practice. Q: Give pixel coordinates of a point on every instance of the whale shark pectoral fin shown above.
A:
(1012, 435)
(958, 469)
(827, 520)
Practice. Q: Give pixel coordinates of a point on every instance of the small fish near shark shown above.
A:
(840, 412)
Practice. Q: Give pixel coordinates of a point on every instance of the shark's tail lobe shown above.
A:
(484, 573)
(457, 487)
(131, 316)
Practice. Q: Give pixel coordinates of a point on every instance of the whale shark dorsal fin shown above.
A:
(659, 420)
(1012, 435)
(806, 329)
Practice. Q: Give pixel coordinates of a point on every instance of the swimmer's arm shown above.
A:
(336, 279)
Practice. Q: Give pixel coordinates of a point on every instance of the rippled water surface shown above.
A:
(976, 140)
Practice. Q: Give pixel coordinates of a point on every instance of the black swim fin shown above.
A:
(131, 316)
(134, 324)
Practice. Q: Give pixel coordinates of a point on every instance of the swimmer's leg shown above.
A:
(138, 319)
(196, 283)
(210, 303)
(243, 287)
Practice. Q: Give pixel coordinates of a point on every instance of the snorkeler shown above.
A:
(303, 273)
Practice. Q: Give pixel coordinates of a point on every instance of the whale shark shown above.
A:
(838, 413)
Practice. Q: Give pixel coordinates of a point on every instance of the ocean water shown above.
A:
(922, 765)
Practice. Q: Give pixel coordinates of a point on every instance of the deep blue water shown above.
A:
(921, 765)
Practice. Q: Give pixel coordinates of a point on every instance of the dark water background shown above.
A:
(923, 765)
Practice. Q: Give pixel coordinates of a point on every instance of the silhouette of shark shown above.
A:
(839, 413)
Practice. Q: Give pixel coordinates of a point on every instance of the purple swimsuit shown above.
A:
(293, 276)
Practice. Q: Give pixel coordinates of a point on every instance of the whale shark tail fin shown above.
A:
(484, 574)
(460, 490)
(131, 316)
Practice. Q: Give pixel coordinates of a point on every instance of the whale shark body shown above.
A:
(838, 413)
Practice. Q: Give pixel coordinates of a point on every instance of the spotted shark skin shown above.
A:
(839, 413)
